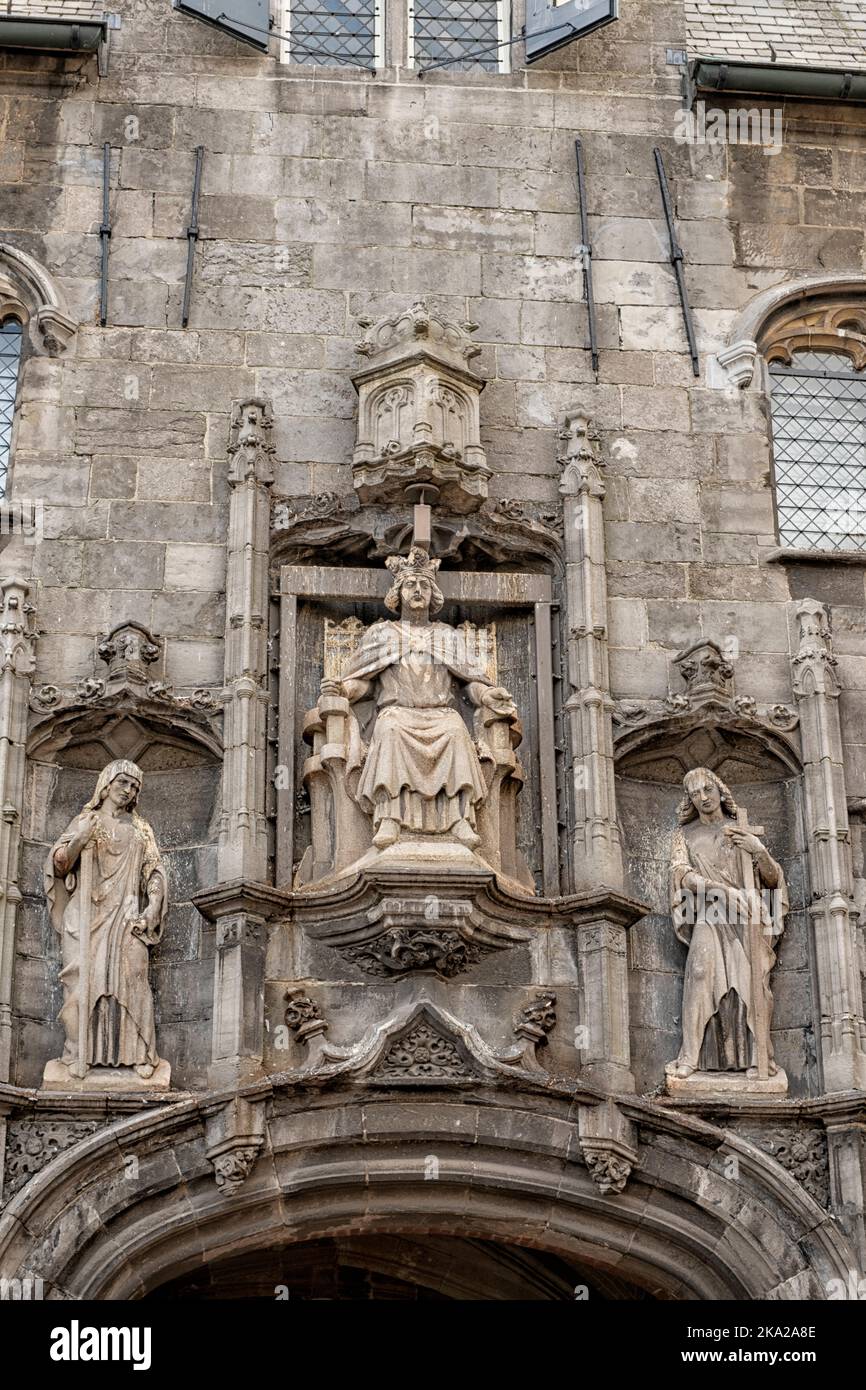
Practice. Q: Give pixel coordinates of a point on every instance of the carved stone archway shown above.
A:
(135, 1205)
(835, 303)
(29, 293)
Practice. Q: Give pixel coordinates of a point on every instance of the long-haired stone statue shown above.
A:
(107, 893)
(729, 901)
(421, 773)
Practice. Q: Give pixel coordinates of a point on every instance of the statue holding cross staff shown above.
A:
(729, 901)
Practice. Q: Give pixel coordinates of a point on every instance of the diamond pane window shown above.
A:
(459, 34)
(10, 359)
(819, 452)
(333, 33)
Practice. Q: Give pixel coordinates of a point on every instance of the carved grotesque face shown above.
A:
(416, 592)
(122, 791)
(705, 795)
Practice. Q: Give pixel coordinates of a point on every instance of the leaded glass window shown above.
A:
(10, 360)
(459, 34)
(333, 33)
(819, 451)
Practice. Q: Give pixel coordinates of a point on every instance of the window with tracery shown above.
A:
(11, 337)
(817, 367)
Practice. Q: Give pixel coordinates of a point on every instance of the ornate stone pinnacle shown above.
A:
(251, 447)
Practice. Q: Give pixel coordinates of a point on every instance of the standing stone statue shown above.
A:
(108, 896)
(729, 901)
(421, 775)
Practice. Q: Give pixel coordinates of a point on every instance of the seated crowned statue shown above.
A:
(421, 775)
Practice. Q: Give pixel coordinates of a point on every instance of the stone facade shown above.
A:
(210, 507)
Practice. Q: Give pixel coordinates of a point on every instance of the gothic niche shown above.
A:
(127, 712)
(745, 755)
(396, 778)
(418, 413)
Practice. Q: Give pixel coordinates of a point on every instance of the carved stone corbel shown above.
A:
(608, 1145)
(17, 662)
(234, 1137)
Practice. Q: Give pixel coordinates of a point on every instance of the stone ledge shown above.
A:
(784, 556)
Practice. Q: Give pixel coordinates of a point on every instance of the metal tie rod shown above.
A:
(677, 262)
(192, 236)
(586, 252)
(104, 235)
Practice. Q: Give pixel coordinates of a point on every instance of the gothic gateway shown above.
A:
(432, 714)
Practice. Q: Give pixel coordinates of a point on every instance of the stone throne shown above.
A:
(342, 832)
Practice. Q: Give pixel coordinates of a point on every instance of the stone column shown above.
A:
(243, 848)
(242, 858)
(17, 661)
(597, 849)
(816, 687)
(846, 1145)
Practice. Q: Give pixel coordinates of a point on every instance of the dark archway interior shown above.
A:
(408, 1269)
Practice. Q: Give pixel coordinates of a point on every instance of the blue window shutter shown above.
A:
(245, 19)
(549, 26)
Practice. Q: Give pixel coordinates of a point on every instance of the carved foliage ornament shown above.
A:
(333, 528)
(610, 1170)
(404, 951)
(32, 1143)
(232, 1168)
(423, 1052)
(802, 1151)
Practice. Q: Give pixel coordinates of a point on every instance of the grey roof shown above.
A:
(71, 10)
(808, 33)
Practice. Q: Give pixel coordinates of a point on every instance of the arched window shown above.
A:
(819, 451)
(816, 355)
(11, 338)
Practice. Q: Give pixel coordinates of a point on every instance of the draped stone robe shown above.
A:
(718, 1004)
(122, 1031)
(422, 768)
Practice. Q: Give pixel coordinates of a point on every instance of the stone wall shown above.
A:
(330, 195)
